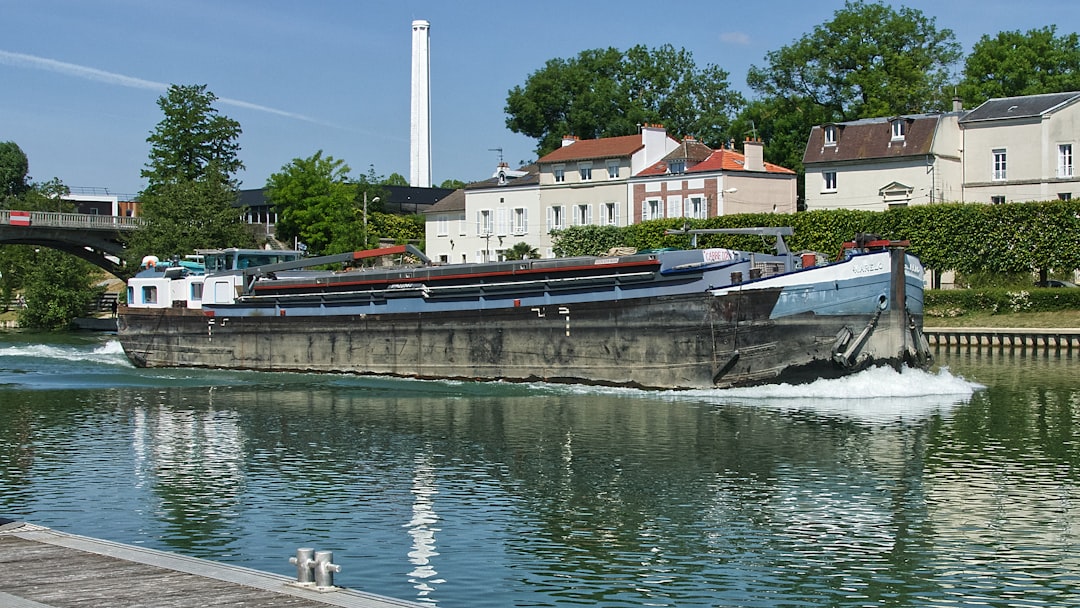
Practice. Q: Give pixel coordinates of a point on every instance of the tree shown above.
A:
(522, 251)
(1014, 63)
(13, 169)
(58, 289)
(452, 184)
(316, 202)
(189, 200)
(870, 60)
(186, 216)
(395, 179)
(193, 142)
(607, 93)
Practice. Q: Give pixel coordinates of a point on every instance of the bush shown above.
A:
(959, 302)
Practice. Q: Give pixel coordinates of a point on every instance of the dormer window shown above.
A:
(677, 166)
(830, 135)
(899, 129)
(559, 172)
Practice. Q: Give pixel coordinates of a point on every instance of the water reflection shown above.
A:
(890, 490)
(422, 526)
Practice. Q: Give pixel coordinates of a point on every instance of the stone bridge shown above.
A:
(97, 239)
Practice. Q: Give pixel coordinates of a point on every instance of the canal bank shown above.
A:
(1060, 340)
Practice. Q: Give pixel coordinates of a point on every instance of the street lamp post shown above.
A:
(374, 200)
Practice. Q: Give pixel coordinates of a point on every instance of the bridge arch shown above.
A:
(97, 239)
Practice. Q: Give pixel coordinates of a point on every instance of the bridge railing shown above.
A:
(52, 219)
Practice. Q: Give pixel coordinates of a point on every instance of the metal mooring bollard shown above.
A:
(305, 566)
(325, 569)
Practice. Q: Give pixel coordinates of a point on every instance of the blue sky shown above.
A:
(79, 79)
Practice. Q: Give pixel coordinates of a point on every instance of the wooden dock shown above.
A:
(1062, 340)
(44, 568)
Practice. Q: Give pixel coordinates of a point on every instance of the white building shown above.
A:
(1021, 149)
(878, 163)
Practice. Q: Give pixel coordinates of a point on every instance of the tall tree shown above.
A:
(606, 93)
(1014, 63)
(193, 142)
(870, 60)
(189, 199)
(13, 171)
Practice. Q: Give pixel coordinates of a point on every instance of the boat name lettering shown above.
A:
(405, 286)
(717, 255)
(605, 261)
(866, 267)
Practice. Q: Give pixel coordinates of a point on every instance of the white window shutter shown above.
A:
(550, 219)
(525, 221)
(500, 226)
(617, 205)
(588, 214)
(479, 223)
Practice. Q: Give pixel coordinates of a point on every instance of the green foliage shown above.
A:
(184, 216)
(607, 93)
(192, 142)
(188, 201)
(315, 202)
(400, 228)
(588, 240)
(522, 251)
(869, 60)
(13, 171)
(1014, 63)
(951, 303)
(395, 179)
(968, 238)
(58, 289)
(452, 184)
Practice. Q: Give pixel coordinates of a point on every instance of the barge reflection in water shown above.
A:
(457, 494)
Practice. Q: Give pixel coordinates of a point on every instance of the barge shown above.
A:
(685, 319)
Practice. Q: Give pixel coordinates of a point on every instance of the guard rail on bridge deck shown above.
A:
(52, 219)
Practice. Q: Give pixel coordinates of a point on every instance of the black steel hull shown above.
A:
(673, 342)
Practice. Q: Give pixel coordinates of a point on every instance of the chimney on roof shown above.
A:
(957, 104)
(568, 139)
(753, 150)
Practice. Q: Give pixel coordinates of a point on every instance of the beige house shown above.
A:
(878, 163)
(483, 219)
(1021, 149)
(695, 181)
(586, 180)
(612, 181)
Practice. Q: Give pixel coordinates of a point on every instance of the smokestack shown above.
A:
(420, 123)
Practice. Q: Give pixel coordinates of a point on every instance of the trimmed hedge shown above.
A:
(951, 303)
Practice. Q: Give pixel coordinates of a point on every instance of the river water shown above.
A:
(954, 487)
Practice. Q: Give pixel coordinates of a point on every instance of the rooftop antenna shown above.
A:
(500, 151)
(753, 129)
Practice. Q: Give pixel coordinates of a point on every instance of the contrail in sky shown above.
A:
(22, 60)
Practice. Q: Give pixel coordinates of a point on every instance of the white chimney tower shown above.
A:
(420, 132)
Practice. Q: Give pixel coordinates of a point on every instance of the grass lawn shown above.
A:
(1064, 318)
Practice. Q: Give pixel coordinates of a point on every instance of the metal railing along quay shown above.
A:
(1058, 340)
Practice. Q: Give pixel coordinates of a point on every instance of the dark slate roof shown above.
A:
(400, 199)
(872, 138)
(1028, 106)
(455, 201)
(531, 178)
(690, 150)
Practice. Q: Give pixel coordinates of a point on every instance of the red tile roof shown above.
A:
(592, 149)
(719, 160)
